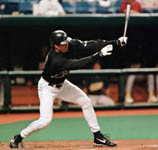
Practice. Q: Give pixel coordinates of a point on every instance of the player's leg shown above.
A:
(72, 93)
(150, 83)
(128, 89)
(46, 97)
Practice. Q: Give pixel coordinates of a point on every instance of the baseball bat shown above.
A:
(127, 15)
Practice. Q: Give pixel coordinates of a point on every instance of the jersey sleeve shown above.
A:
(91, 46)
(73, 64)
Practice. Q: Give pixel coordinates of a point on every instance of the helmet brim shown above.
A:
(63, 42)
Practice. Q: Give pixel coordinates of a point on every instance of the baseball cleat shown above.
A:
(14, 143)
(100, 140)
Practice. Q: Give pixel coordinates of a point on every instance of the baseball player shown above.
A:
(53, 83)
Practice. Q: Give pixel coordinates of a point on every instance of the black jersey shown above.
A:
(58, 65)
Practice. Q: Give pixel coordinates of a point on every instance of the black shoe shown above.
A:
(14, 143)
(101, 140)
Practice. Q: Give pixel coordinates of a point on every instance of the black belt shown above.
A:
(52, 84)
(56, 85)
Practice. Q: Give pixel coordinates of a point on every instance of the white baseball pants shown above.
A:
(67, 92)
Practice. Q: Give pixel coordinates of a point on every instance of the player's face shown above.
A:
(61, 48)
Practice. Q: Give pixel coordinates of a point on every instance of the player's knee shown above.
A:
(86, 103)
(45, 121)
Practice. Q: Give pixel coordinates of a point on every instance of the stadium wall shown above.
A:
(22, 36)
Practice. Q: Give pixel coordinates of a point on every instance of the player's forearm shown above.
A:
(100, 44)
(83, 62)
(93, 46)
(80, 63)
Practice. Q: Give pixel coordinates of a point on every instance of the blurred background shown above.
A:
(129, 77)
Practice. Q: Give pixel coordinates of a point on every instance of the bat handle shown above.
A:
(125, 28)
(123, 43)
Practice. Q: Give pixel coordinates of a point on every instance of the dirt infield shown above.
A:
(87, 145)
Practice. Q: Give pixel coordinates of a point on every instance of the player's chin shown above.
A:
(65, 51)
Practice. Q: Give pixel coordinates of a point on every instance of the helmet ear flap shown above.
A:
(57, 37)
(51, 42)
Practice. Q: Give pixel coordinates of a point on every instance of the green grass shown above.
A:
(119, 127)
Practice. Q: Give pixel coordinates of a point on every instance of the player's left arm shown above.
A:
(72, 64)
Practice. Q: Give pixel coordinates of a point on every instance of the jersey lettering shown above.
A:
(61, 74)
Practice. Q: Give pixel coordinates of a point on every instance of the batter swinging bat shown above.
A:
(127, 15)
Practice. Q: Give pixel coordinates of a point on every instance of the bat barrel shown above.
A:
(128, 8)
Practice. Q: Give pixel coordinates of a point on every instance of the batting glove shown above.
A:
(107, 50)
(122, 41)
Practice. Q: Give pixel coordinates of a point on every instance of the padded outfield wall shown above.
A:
(22, 36)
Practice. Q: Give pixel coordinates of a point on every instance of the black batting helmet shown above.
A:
(58, 37)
